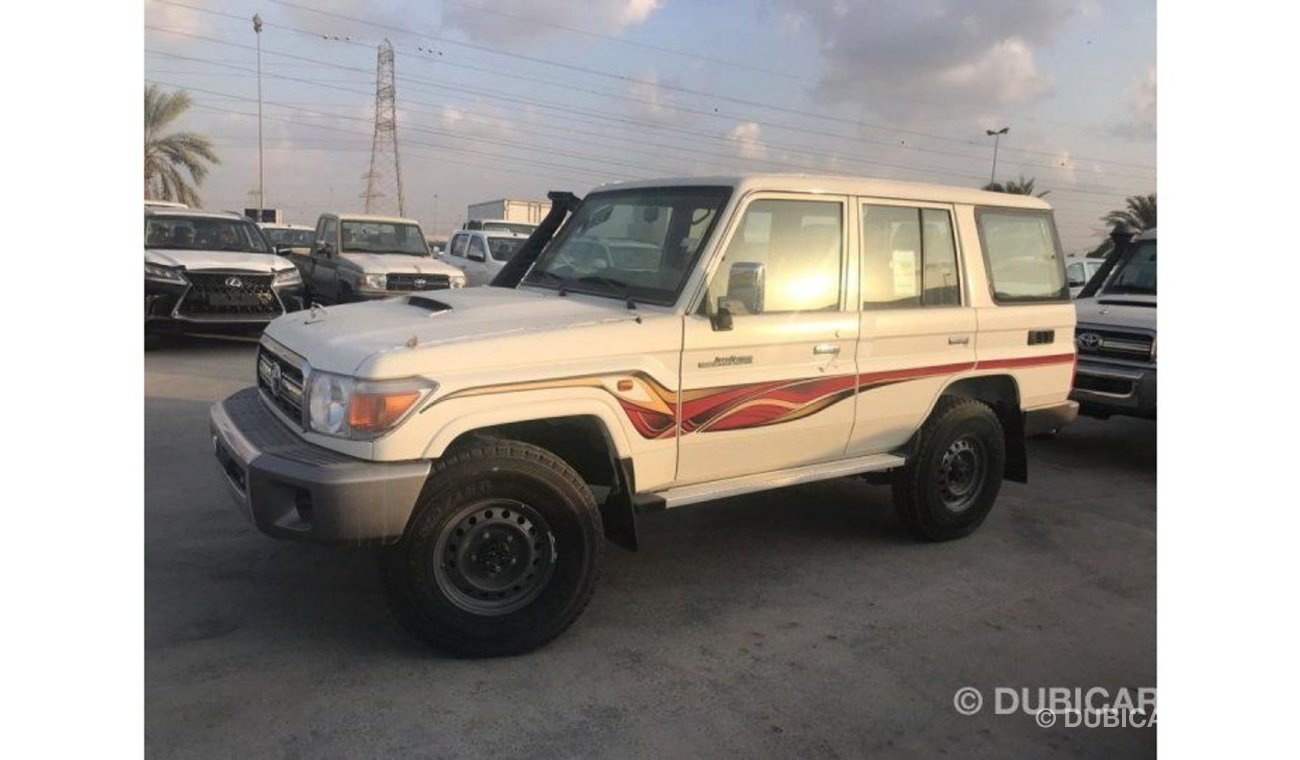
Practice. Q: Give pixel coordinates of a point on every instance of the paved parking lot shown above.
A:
(797, 623)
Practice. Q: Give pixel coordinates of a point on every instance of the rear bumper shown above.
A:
(291, 489)
(1104, 389)
(1048, 419)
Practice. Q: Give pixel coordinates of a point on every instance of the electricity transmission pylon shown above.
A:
(384, 180)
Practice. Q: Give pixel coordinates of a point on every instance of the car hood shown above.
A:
(388, 263)
(393, 337)
(223, 260)
(1117, 311)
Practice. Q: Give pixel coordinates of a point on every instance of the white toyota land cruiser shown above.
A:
(764, 331)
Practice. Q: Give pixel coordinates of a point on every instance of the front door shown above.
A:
(323, 280)
(918, 330)
(776, 390)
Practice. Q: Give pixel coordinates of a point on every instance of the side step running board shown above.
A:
(721, 489)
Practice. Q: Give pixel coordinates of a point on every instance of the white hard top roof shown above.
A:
(194, 212)
(840, 185)
(378, 218)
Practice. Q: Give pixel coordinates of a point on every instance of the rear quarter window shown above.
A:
(1022, 255)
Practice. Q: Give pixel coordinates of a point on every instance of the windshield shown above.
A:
(289, 238)
(503, 248)
(640, 244)
(203, 234)
(1137, 273)
(521, 228)
(383, 237)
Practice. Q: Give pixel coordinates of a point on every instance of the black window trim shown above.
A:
(863, 203)
(1062, 297)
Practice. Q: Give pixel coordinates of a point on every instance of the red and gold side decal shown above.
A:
(653, 409)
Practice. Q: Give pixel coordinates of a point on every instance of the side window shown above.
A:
(909, 258)
(328, 233)
(1023, 257)
(458, 246)
(1074, 274)
(477, 251)
(786, 256)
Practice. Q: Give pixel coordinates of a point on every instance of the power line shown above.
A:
(633, 80)
(945, 171)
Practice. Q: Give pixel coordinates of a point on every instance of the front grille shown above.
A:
(418, 282)
(282, 382)
(229, 295)
(1113, 344)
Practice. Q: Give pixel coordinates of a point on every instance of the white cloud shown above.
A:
(924, 58)
(746, 140)
(516, 20)
(1142, 96)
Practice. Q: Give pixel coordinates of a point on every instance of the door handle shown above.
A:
(958, 340)
(826, 348)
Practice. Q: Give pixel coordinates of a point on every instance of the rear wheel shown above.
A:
(950, 483)
(501, 555)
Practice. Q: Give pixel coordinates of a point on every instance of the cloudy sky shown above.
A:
(516, 97)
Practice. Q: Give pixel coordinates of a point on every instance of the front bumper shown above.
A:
(292, 489)
(161, 312)
(1104, 389)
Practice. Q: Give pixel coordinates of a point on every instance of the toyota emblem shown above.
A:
(1089, 341)
(277, 378)
(418, 282)
(234, 282)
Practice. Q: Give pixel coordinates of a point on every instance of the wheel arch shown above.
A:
(586, 441)
(1002, 393)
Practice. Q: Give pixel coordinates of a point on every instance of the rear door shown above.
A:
(917, 327)
(775, 391)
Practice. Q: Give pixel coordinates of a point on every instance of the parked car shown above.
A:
(358, 257)
(1116, 336)
(501, 225)
(490, 437)
(481, 254)
(289, 238)
(212, 271)
(1078, 272)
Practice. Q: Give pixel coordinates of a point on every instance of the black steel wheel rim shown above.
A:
(494, 557)
(962, 472)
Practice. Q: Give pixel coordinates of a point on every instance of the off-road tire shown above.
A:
(923, 489)
(438, 604)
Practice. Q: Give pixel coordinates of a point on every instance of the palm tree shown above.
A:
(167, 158)
(1138, 215)
(1021, 186)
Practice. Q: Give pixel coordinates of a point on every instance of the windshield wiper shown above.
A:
(597, 279)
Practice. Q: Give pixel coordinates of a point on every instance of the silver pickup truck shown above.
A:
(358, 257)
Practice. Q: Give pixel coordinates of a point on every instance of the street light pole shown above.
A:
(995, 134)
(435, 213)
(261, 188)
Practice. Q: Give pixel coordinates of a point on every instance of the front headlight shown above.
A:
(374, 281)
(159, 273)
(457, 281)
(287, 277)
(348, 408)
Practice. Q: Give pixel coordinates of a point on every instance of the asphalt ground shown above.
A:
(797, 623)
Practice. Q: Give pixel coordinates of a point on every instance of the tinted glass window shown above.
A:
(637, 243)
(203, 233)
(909, 258)
(458, 245)
(503, 248)
(477, 251)
(1024, 260)
(329, 233)
(786, 256)
(1137, 274)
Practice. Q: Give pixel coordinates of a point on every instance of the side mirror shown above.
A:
(325, 249)
(745, 286)
(721, 319)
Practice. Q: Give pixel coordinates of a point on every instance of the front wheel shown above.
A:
(950, 483)
(501, 555)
